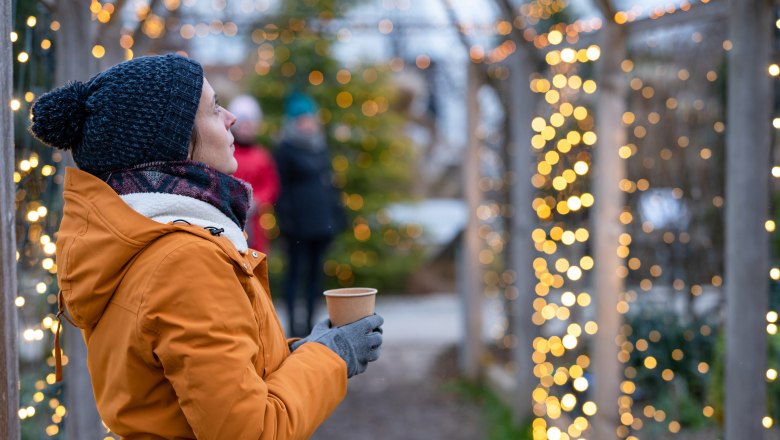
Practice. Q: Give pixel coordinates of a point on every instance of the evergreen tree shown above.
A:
(371, 154)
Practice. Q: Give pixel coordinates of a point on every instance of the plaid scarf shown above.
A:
(186, 178)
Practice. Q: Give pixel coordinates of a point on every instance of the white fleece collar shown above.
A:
(165, 208)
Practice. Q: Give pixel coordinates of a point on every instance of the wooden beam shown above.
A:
(469, 281)
(521, 251)
(453, 18)
(532, 55)
(108, 35)
(709, 12)
(605, 6)
(470, 272)
(467, 45)
(748, 140)
(9, 371)
(608, 170)
(74, 60)
(714, 11)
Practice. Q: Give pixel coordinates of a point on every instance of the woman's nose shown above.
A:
(231, 119)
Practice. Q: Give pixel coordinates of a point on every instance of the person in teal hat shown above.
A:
(299, 104)
(309, 209)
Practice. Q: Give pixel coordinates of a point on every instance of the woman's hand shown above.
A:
(357, 343)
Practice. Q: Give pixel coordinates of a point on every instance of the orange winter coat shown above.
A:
(183, 341)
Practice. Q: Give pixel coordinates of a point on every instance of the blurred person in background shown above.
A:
(309, 209)
(182, 338)
(255, 165)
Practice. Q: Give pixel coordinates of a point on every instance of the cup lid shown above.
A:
(351, 291)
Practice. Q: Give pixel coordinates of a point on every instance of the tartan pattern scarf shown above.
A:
(187, 178)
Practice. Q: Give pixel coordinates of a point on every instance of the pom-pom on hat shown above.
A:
(298, 104)
(138, 111)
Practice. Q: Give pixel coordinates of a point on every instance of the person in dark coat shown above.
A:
(309, 210)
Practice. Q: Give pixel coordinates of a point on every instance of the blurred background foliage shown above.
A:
(371, 156)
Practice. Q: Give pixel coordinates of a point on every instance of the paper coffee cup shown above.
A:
(350, 304)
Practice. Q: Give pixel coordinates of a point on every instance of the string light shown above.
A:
(561, 140)
(563, 198)
(648, 94)
(33, 216)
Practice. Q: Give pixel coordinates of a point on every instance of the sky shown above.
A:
(420, 27)
(424, 24)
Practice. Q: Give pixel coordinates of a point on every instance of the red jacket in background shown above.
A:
(256, 166)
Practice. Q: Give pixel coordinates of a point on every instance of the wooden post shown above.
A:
(9, 372)
(74, 42)
(747, 199)
(522, 103)
(470, 267)
(607, 172)
(75, 62)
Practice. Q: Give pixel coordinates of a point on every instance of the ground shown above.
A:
(407, 394)
(403, 397)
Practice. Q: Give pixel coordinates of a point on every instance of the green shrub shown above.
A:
(688, 350)
(716, 391)
(496, 416)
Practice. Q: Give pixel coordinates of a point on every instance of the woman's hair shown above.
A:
(194, 139)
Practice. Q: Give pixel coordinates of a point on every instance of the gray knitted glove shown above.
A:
(358, 343)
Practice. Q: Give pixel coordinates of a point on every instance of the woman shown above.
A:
(183, 341)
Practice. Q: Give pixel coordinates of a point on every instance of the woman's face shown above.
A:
(214, 139)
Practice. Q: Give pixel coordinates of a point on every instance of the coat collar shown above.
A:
(134, 228)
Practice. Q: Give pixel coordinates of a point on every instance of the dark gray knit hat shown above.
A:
(136, 112)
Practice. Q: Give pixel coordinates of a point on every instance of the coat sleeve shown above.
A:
(202, 327)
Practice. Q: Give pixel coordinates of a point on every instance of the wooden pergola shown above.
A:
(747, 194)
(9, 372)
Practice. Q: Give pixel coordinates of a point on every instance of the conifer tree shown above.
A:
(371, 154)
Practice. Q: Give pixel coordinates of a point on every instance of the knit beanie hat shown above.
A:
(138, 111)
(299, 104)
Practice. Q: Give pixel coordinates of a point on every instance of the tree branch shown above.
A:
(605, 6)
(110, 27)
(453, 17)
(50, 5)
(509, 13)
(118, 5)
(137, 34)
